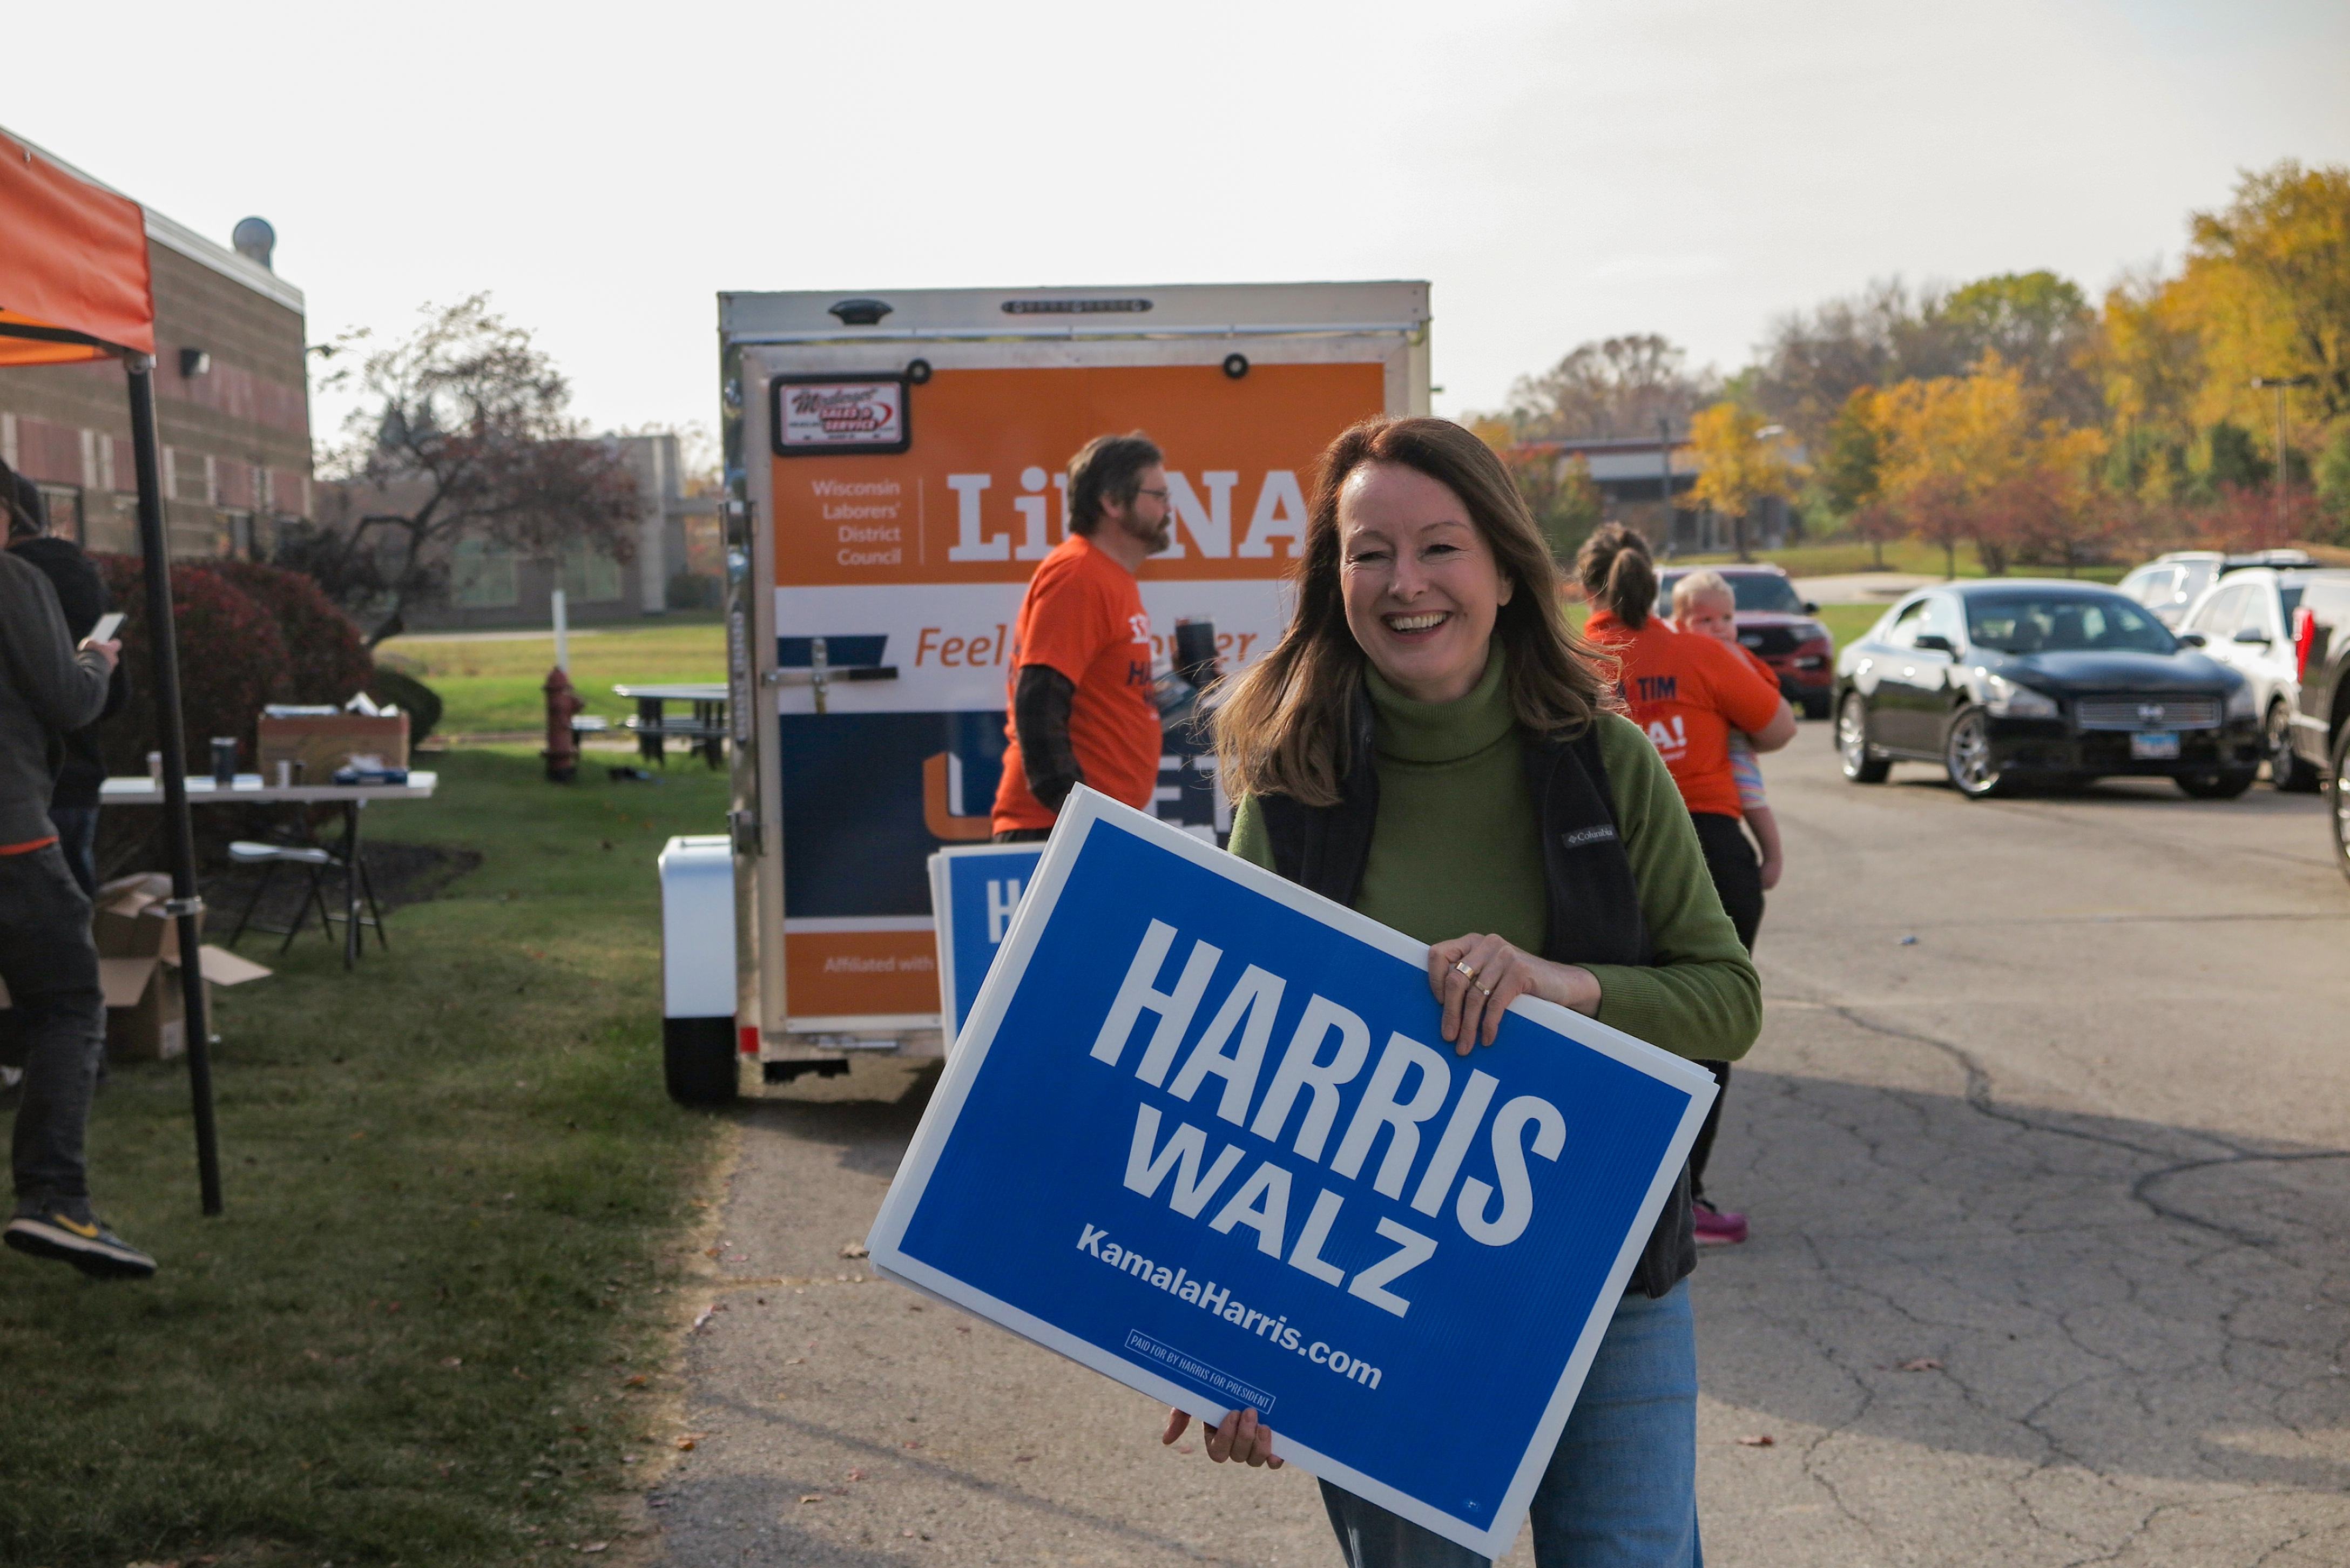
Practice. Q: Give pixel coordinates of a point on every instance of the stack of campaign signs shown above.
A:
(1200, 1133)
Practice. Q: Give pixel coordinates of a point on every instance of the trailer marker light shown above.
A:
(1075, 307)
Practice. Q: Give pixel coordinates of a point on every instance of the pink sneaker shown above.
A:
(1715, 1227)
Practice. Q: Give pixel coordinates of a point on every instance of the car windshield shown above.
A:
(1754, 591)
(2066, 623)
(1770, 593)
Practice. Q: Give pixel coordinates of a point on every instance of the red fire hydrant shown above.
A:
(563, 705)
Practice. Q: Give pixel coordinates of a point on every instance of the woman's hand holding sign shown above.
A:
(1476, 977)
(1237, 1438)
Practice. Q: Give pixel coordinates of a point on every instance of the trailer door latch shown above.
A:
(743, 825)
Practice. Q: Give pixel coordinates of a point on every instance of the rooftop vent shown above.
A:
(255, 239)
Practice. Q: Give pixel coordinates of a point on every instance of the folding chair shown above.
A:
(311, 859)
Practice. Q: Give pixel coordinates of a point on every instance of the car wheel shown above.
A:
(1967, 755)
(2225, 785)
(2286, 770)
(1815, 705)
(1860, 764)
(2340, 791)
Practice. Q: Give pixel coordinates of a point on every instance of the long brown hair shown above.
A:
(1283, 729)
(1616, 570)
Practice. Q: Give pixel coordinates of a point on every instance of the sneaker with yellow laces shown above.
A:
(70, 1234)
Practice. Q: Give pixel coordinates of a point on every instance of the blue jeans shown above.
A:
(77, 829)
(1621, 1487)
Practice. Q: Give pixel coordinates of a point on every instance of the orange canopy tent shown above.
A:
(74, 286)
(73, 272)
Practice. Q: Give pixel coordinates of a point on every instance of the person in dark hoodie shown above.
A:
(82, 596)
(48, 689)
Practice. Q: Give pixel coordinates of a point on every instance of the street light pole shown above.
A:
(2281, 383)
(1664, 472)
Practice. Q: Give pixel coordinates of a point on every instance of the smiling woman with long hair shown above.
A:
(1430, 745)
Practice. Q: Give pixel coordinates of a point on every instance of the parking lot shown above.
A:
(2044, 1147)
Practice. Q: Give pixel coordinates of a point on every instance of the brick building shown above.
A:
(232, 405)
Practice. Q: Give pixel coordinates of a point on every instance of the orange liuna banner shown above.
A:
(834, 974)
(980, 494)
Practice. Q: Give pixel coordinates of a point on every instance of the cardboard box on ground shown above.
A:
(138, 966)
(322, 742)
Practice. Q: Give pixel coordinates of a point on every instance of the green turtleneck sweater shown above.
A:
(1457, 849)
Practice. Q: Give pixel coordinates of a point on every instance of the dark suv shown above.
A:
(2321, 719)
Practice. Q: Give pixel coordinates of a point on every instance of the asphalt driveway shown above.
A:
(2046, 1147)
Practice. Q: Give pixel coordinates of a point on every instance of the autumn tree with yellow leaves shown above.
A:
(2012, 412)
(1740, 460)
(1976, 457)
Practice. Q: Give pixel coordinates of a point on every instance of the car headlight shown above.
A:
(2240, 702)
(2009, 700)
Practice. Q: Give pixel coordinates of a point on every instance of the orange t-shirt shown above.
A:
(1689, 692)
(1082, 617)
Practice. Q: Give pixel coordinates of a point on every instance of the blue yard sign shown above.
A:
(974, 889)
(1202, 1135)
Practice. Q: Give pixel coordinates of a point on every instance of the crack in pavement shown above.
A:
(1921, 1151)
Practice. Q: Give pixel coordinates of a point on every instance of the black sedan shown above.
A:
(2007, 682)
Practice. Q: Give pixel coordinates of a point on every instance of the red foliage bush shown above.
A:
(330, 661)
(232, 662)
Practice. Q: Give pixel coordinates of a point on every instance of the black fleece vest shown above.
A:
(1594, 905)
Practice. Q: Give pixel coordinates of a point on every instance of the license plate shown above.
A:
(2154, 746)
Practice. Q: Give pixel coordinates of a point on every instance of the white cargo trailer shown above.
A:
(896, 464)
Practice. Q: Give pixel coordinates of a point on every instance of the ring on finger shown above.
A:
(1465, 970)
(1484, 990)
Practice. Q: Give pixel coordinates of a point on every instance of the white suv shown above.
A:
(2169, 583)
(2245, 622)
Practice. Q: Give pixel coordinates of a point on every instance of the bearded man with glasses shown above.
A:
(1081, 701)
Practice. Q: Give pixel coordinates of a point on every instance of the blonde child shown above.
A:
(1704, 603)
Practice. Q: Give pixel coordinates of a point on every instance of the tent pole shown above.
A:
(186, 906)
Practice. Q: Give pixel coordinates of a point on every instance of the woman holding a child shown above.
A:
(1693, 694)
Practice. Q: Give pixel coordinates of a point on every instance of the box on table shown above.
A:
(325, 742)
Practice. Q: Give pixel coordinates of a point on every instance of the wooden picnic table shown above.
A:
(250, 789)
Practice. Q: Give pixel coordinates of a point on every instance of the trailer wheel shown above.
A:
(698, 1060)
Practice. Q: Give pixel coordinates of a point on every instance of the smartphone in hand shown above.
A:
(107, 625)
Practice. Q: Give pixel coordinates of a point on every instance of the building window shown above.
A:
(240, 536)
(97, 461)
(483, 576)
(590, 576)
(63, 503)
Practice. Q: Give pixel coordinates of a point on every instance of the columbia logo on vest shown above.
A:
(1583, 835)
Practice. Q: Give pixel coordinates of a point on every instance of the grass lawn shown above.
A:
(455, 1201)
(489, 687)
(1844, 557)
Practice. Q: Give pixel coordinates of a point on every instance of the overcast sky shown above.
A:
(1559, 171)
